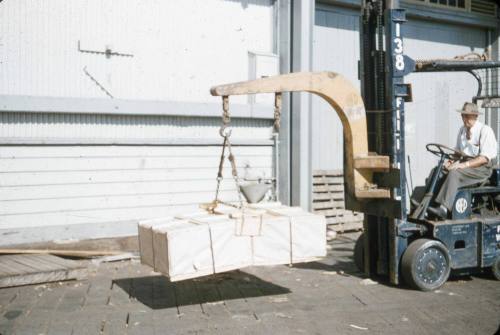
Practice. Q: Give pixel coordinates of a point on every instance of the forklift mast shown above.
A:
(382, 69)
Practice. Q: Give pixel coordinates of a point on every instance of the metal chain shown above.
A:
(226, 117)
(277, 112)
(226, 133)
(219, 173)
(234, 172)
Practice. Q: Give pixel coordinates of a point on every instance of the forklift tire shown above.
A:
(359, 253)
(426, 264)
(495, 268)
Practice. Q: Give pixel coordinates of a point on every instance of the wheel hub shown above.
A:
(431, 265)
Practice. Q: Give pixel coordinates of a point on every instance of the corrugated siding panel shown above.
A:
(179, 48)
(431, 117)
(51, 185)
(332, 30)
(87, 126)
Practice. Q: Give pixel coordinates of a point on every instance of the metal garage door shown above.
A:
(430, 118)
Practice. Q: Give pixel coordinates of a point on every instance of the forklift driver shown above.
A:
(476, 140)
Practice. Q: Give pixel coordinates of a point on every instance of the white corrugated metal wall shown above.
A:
(431, 117)
(59, 177)
(179, 48)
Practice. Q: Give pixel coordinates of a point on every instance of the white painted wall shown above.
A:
(180, 48)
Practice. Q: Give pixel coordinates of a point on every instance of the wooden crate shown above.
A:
(328, 200)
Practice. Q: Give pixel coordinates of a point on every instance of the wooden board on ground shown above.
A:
(17, 270)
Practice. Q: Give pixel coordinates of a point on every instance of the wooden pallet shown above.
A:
(328, 200)
(17, 270)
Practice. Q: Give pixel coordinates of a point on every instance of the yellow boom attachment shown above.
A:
(344, 98)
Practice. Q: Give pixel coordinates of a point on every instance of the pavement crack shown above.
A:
(358, 299)
(176, 301)
(103, 324)
(14, 297)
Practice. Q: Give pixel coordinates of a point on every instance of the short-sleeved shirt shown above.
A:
(481, 143)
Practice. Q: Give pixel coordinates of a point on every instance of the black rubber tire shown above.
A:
(495, 268)
(426, 264)
(359, 253)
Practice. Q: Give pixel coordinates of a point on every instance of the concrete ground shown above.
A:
(327, 297)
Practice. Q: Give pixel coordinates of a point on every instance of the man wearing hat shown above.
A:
(476, 140)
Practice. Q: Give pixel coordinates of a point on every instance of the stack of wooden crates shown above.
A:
(328, 200)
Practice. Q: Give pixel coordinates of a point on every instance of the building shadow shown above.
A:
(157, 292)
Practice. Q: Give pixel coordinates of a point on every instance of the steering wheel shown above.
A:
(441, 150)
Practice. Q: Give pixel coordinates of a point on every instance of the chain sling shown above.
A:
(225, 132)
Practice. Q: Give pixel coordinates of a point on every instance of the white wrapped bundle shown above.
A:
(230, 251)
(182, 250)
(199, 244)
(146, 238)
(272, 247)
(307, 233)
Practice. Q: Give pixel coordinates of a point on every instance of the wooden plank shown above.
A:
(327, 204)
(347, 226)
(328, 196)
(328, 188)
(33, 263)
(341, 219)
(330, 212)
(25, 270)
(17, 268)
(332, 173)
(328, 180)
(50, 258)
(338, 212)
(6, 270)
(41, 277)
(73, 253)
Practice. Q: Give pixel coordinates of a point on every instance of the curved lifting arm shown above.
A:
(359, 165)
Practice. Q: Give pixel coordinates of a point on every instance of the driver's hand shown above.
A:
(457, 165)
(448, 165)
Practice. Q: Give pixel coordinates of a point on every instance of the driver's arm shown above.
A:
(473, 163)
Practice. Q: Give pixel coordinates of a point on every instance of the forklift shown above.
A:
(399, 241)
(409, 242)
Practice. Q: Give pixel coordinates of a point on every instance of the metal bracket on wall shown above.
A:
(108, 52)
(97, 83)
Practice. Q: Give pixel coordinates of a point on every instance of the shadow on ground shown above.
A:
(346, 267)
(157, 292)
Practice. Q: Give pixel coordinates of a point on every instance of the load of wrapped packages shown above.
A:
(203, 243)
